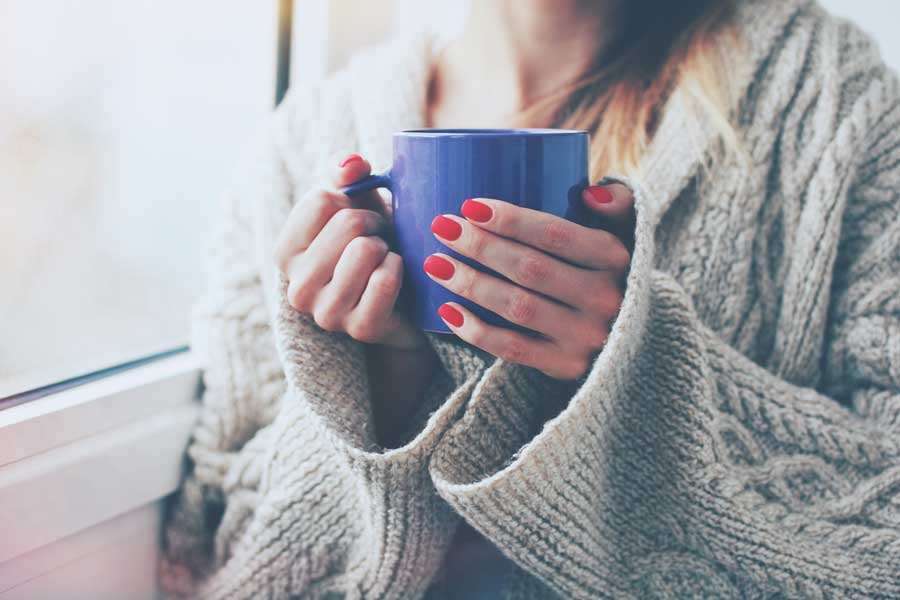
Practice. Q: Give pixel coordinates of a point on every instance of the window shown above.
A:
(877, 17)
(119, 125)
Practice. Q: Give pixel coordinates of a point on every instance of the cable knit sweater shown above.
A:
(739, 435)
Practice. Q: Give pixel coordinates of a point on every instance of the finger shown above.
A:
(310, 270)
(530, 268)
(515, 304)
(613, 209)
(374, 311)
(350, 168)
(511, 346)
(614, 202)
(305, 221)
(583, 247)
(569, 241)
(357, 262)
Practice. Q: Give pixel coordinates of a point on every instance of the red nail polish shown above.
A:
(439, 267)
(601, 195)
(446, 228)
(451, 315)
(350, 159)
(477, 211)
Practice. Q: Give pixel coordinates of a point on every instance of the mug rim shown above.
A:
(466, 132)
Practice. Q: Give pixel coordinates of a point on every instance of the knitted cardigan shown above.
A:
(738, 436)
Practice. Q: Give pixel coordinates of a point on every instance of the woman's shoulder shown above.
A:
(798, 50)
(816, 86)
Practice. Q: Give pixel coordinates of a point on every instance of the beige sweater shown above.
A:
(739, 436)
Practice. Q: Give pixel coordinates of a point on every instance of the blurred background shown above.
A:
(120, 122)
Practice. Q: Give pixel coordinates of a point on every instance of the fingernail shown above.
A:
(600, 194)
(451, 315)
(477, 211)
(350, 159)
(439, 267)
(446, 228)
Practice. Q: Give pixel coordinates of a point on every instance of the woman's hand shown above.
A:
(339, 268)
(341, 272)
(568, 280)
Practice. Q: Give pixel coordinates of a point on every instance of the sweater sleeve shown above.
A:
(241, 392)
(680, 464)
(287, 493)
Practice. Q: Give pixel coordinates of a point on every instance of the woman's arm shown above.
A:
(287, 486)
(682, 465)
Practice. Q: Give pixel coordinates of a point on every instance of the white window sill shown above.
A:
(83, 456)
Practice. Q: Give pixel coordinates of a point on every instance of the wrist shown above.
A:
(398, 379)
(400, 359)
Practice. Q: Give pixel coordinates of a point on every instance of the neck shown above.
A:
(538, 44)
(514, 52)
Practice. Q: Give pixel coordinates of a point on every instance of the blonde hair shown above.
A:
(665, 48)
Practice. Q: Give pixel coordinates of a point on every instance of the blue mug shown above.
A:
(435, 170)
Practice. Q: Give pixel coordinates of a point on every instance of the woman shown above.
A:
(724, 423)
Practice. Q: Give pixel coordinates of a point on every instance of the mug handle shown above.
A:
(372, 182)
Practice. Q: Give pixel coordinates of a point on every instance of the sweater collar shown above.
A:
(389, 101)
(682, 143)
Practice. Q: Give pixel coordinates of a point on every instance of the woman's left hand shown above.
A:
(568, 279)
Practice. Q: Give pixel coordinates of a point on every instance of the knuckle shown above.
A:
(604, 299)
(514, 350)
(316, 201)
(569, 369)
(522, 307)
(355, 222)
(385, 282)
(365, 246)
(595, 336)
(327, 318)
(478, 242)
(575, 368)
(362, 330)
(464, 281)
(532, 269)
(557, 234)
(311, 199)
(618, 257)
(475, 335)
(298, 296)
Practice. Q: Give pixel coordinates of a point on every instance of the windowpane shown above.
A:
(119, 125)
(879, 18)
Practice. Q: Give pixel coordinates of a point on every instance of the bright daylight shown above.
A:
(438, 300)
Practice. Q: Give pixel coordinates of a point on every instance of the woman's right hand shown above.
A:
(338, 265)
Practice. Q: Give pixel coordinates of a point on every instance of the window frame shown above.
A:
(90, 458)
(78, 457)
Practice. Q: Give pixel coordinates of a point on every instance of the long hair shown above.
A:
(664, 48)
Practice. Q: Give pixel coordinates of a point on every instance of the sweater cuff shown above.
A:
(500, 458)
(326, 414)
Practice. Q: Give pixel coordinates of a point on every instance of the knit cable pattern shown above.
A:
(737, 436)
